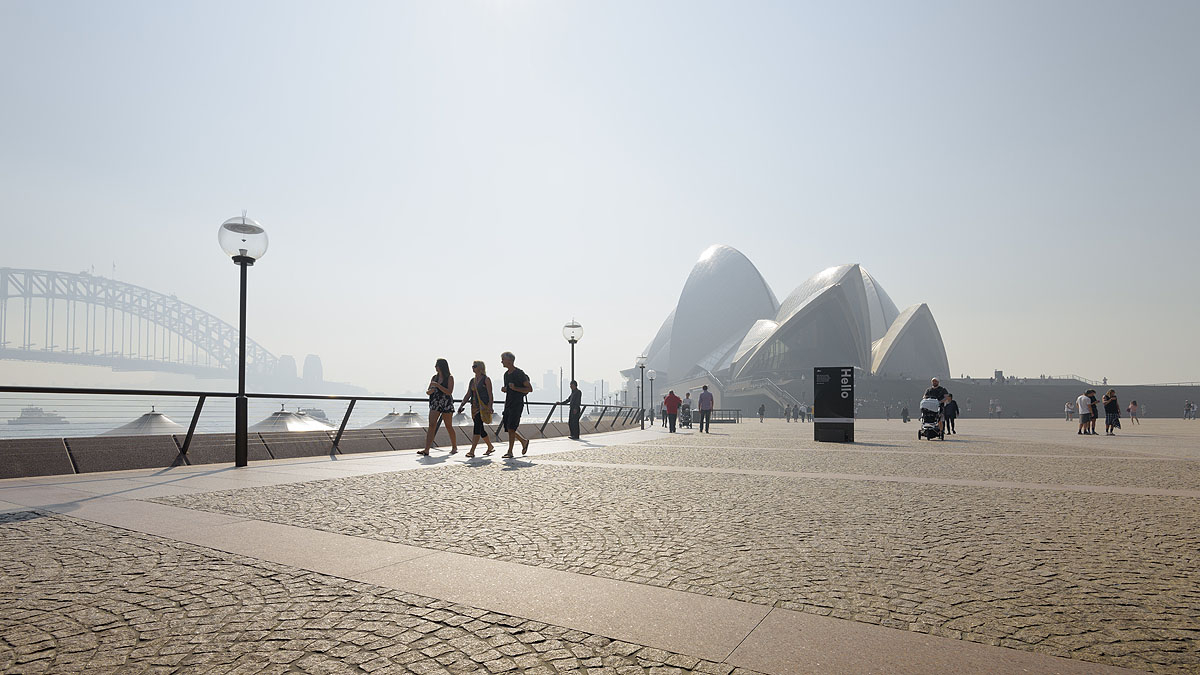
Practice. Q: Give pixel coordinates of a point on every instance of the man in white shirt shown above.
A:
(1084, 405)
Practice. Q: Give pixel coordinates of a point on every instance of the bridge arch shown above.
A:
(105, 322)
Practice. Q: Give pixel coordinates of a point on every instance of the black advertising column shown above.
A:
(833, 404)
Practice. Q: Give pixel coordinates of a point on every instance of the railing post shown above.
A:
(602, 414)
(548, 415)
(616, 416)
(338, 439)
(187, 440)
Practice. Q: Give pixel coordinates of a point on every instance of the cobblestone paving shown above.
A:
(81, 597)
(1117, 471)
(1101, 577)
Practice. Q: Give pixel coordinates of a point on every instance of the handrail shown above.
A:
(202, 396)
(88, 391)
(778, 390)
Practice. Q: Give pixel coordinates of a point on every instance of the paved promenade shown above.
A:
(1015, 546)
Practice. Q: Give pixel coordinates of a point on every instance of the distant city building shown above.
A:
(285, 367)
(728, 327)
(313, 371)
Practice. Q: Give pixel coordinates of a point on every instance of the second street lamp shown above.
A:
(641, 363)
(245, 241)
(573, 333)
(651, 375)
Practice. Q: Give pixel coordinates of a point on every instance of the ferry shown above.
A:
(38, 416)
(315, 413)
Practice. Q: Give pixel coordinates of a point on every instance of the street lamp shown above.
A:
(641, 363)
(652, 375)
(573, 333)
(245, 241)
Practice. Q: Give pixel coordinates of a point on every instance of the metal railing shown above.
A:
(778, 391)
(613, 414)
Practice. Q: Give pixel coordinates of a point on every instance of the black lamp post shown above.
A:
(641, 363)
(573, 332)
(245, 241)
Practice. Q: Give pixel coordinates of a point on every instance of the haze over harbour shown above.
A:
(455, 180)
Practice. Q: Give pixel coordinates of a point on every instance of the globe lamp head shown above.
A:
(573, 332)
(242, 237)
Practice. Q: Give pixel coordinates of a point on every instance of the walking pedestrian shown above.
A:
(1133, 412)
(441, 405)
(904, 414)
(706, 408)
(1187, 409)
(662, 412)
(1095, 412)
(575, 401)
(1112, 413)
(516, 386)
(1069, 410)
(950, 412)
(762, 412)
(671, 409)
(479, 395)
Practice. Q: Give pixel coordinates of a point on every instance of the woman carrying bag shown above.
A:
(479, 393)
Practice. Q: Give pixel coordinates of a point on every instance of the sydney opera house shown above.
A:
(729, 331)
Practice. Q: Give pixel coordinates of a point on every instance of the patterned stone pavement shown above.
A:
(83, 597)
(1092, 576)
(1144, 472)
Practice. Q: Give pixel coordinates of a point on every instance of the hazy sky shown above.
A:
(455, 179)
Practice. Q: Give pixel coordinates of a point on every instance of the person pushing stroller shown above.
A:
(938, 393)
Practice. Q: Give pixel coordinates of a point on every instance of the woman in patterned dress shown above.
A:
(441, 405)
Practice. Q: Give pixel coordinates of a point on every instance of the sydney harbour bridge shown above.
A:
(85, 319)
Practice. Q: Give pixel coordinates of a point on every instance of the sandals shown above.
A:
(525, 447)
(469, 455)
(423, 452)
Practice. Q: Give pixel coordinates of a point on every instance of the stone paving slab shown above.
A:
(1099, 577)
(795, 643)
(81, 597)
(702, 626)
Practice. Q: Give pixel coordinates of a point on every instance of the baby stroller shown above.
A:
(685, 416)
(930, 415)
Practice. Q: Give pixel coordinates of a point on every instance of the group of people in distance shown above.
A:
(479, 396)
(1089, 412)
(675, 410)
(795, 413)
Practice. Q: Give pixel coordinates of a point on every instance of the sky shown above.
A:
(454, 179)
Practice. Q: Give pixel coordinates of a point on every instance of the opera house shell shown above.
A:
(728, 328)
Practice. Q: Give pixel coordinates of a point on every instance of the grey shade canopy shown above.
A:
(150, 424)
(282, 420)
(395, 420)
